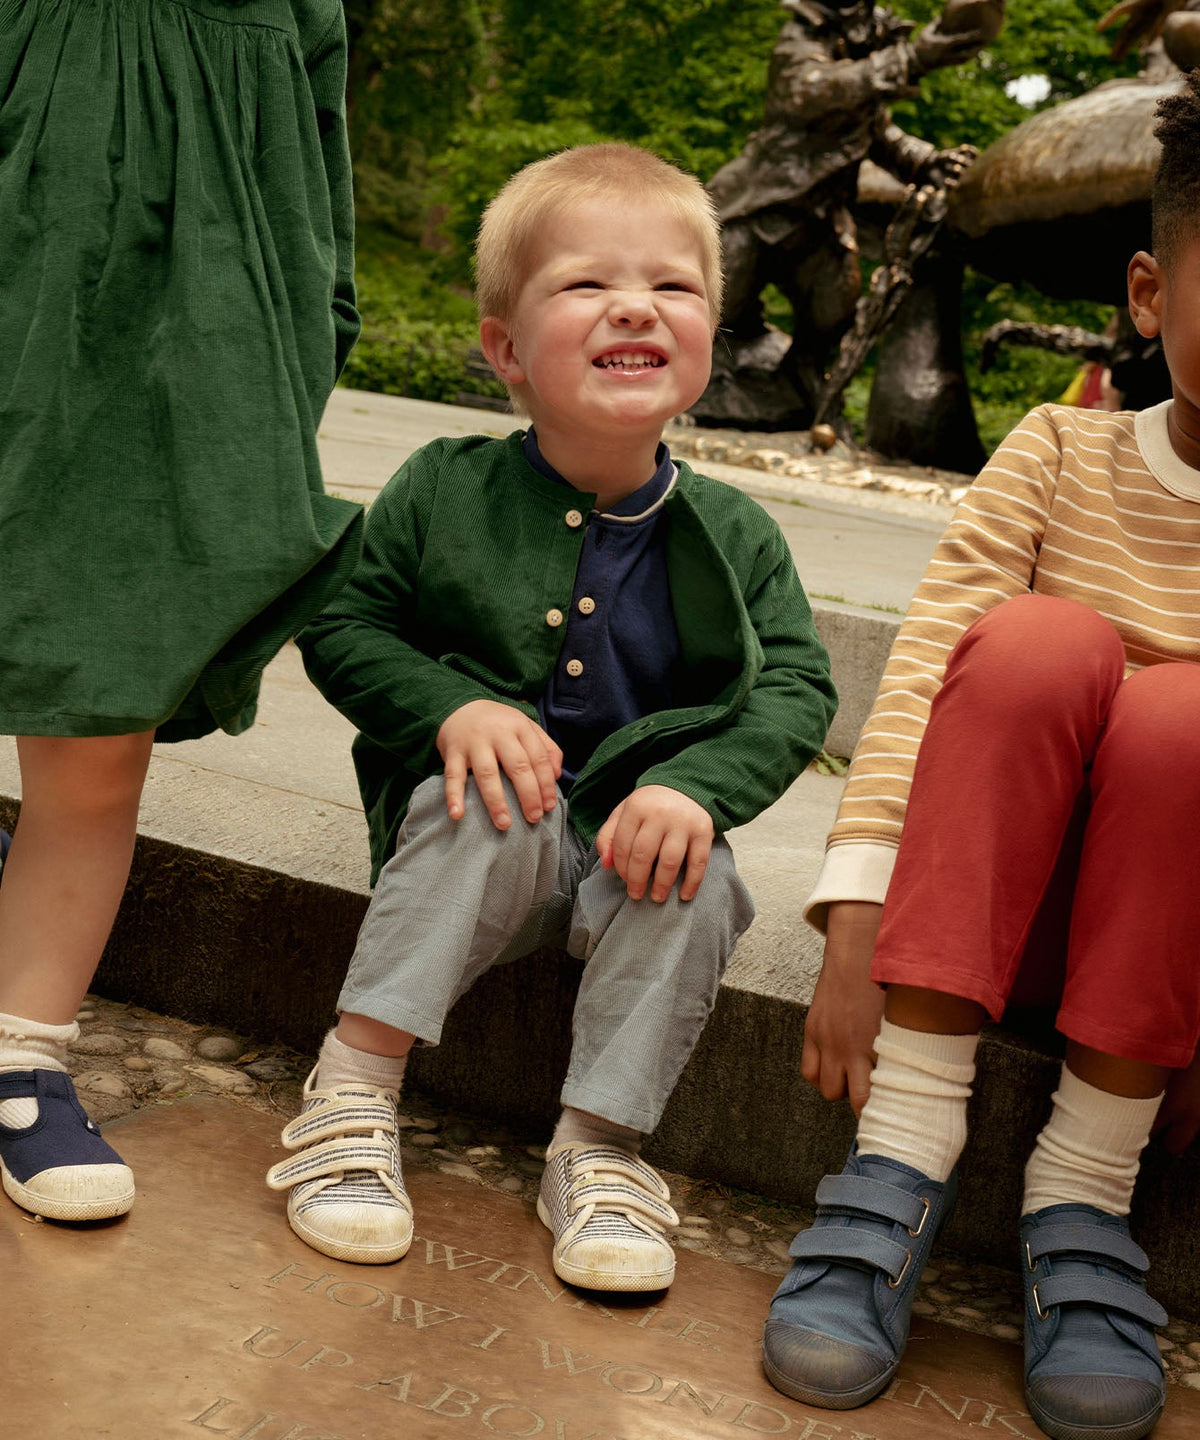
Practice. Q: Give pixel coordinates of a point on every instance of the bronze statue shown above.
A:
(786, 202)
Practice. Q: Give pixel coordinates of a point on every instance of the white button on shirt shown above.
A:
(575, 667)
(554, 617)
(574, 519)
(586, 605)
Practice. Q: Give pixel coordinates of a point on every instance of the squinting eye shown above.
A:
(584, 285)
(677, 285)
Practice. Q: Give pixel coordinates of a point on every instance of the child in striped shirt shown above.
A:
(1011, 788)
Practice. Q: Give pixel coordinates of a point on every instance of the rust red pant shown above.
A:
(1051, 850)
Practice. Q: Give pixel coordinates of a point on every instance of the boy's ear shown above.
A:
(497, 343)
(1145, 284)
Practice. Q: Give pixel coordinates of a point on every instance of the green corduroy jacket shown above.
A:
(467, 550)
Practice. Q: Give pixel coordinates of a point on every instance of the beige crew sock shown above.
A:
(580, 1127)
(1090, 1149)
(917, 1109)
(341, 1064)
(30, 1045)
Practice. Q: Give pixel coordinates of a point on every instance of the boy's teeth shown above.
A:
(627, 361)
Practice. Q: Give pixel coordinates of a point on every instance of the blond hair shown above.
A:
(519, 214)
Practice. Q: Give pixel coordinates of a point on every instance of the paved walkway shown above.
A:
(200, 1313)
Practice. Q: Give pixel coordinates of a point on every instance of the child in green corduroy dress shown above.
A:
(176, 302)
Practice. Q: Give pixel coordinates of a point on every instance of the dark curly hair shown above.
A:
(1175, 198)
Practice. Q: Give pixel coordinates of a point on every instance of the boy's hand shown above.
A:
(486, 737)
(843, 1019)
(657, 828)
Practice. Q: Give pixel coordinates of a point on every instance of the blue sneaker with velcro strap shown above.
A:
(1092, 1366)
(839, 1321)
(58, 1166)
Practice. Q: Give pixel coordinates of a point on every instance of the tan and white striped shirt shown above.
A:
(1082, 504)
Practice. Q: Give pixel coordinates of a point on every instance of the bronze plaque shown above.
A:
(201, 1314)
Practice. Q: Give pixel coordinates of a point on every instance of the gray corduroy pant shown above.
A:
(461, 896)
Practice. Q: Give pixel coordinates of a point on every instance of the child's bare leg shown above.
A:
(1131, 1078)
(67, 868)
(63, 881)
(932, 1011)
(363, 1033)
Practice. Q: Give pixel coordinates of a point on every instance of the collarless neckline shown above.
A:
(1154, 442)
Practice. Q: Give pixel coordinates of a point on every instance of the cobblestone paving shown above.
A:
(127, 1057)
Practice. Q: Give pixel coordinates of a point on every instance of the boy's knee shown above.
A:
(722, 906)
(97, 776)
(428, 817)
(1154, 713)
(1037, 647)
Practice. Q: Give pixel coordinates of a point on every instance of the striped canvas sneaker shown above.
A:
(608, 1211)
(347, 1193)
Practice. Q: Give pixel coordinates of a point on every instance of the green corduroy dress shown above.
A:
(176, 301)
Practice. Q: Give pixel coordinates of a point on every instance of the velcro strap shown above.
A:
(349, 1117)
(631, 1199)
(331, 1158)
(871, 1197)
(842, 1242)
(609, 1160)
(1086, 1240)
(1100, 1291)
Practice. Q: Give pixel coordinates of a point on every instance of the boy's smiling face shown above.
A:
(611, 335)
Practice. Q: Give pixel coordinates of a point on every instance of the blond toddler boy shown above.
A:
(573, 664)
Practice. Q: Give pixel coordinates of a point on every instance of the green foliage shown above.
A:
(416, 335)
(685, 78)
(475, 166)
(1020, 378)
(414, 66)
(1054, 38)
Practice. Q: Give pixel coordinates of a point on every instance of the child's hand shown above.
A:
(656, 828)
(1178, 1117)
(843, 1019)
(486, 737)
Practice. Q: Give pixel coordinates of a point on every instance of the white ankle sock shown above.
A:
(30, 1045)
(582, 1128)
(341, 1064)
(917, 1109)
(1090, 1149)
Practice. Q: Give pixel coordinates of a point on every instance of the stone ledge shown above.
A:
(213, 939)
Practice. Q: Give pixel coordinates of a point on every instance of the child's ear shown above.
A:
(496, 340)
(1145, 283)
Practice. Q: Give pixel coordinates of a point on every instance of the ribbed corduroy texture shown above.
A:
(467, 550)
(176, 299)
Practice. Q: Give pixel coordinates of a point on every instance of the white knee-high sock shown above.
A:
(31, 1045)
(341, 1064)
(580, 1127)
(917, 1109)
(1090, 1149)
